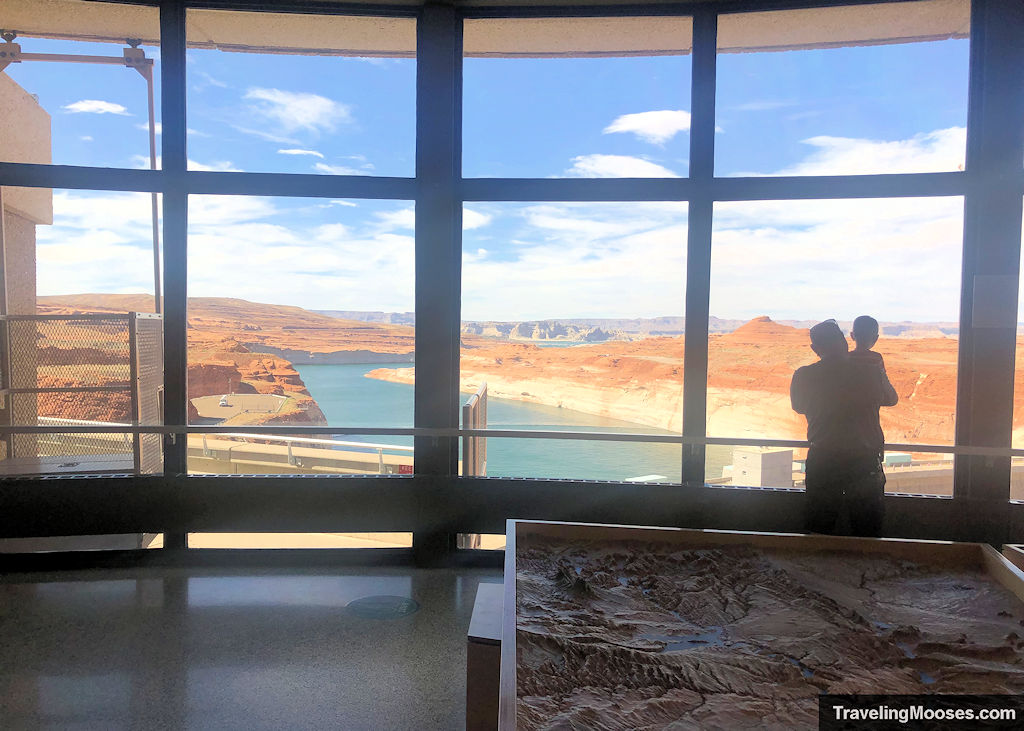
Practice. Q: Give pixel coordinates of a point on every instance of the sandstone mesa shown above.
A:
(252, 348)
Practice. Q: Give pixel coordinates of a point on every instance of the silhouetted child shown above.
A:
(865, 335)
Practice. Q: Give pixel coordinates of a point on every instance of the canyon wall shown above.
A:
(749, 372)
(255, 346)
(542, 330)
(218, 362)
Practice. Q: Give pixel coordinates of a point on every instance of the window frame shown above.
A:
(435, 503)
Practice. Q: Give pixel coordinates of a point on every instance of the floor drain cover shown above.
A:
(382, 607)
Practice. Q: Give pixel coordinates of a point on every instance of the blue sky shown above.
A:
(770, 104)
(897, 108)
(539, 117)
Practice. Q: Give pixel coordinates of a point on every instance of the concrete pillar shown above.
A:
(24, 137)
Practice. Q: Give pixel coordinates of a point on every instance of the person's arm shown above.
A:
(798, 392)
(889, 395)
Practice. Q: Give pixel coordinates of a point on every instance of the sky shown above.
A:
(895, 108)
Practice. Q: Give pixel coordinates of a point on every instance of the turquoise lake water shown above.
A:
(348, 398)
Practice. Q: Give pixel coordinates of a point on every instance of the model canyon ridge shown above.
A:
(633, 372)
(629, 634)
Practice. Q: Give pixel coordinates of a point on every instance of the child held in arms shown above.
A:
(865, 335)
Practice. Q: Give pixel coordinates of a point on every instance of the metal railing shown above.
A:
(474, 449)
(329, 449)
(71, 375)
(448, 432)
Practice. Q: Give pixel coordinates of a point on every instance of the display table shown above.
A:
(625, 627)
(483, 658)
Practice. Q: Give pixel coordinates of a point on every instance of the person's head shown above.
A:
(827, 340)
(865, 331)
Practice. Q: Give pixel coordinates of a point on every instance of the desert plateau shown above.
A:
(241, 346)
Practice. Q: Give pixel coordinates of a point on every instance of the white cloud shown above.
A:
(261, 249)
(296, 111)
(129, 212)
(296, 151)
(269, 136)
(220, 166)
(272, 240)
(364, 163)
(403, 218)
(207, 79)
(96, 106)
(141, 162)
(616, 166)
(655, 127)
(86, 138)
(275, 256)
(329, 232)
(474, 219)
(159, 129)
(97, 243)
(322, 167)
(577, 260)
(763, 105)
(578, 223)
(936, 151)
(377, 61)
(895, 258)
(228, 210)
(898, 259)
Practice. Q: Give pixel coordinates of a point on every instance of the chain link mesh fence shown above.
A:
(83, 370)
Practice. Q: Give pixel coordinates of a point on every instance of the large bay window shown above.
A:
(468, 263)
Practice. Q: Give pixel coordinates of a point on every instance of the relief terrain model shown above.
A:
(621, 634)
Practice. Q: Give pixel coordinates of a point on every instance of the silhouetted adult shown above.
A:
(840, 396)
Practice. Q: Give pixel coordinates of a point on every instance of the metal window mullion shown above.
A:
(560, 190)
(301, 185)
(698, 244)
(991, 263)
(438, 262)
(37, 175)
(175, 209)
(889, 185)
(886, 185)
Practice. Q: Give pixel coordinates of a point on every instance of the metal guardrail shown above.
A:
(57, 421)
(474, 448)
(125, 436)
(57, 371)
(328, 445)
(174, 430)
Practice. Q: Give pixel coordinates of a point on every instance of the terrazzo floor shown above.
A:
(247, 649)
